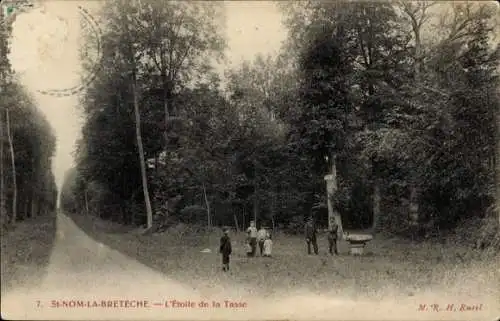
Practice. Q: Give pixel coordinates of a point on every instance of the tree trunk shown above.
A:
(3, 212)
(133, 218)
(149, 210)
(166, 104)
(255, 208)
(33, 189)
(41, 209)
(156, 165)
(413, 210)
(273, 205)
(26, 204)
(123, 214)
(376, 207)
(236, 223)
(85, 194)
(331, 212)
(333, 215)
(243, 212)
(418, 55)
(214, 216)
(33, 204)
(255, 200)
(20, 198)
(13, 164)
(207, 204)
(497, 165)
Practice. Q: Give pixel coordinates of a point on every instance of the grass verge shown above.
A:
(392, 266)
(26, 252)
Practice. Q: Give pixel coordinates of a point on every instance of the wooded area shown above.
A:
(399, 100)
(27, 144)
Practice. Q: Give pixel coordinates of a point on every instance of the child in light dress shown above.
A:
(268, 245)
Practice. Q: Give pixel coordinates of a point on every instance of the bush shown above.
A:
(193, 214)
(480, 234)
(489, 235)
(295, 226)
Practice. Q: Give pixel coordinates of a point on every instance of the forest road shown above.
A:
(83, 273)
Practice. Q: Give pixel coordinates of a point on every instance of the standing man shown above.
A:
(310, 231)
(332, 239)
(225, 249)
(252, 238)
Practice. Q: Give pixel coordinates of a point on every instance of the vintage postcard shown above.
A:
(249, 160)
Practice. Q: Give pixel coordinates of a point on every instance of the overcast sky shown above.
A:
(45, 54)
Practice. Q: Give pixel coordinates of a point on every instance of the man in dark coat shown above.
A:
(225, 249)
(310, 231)
(332, 239)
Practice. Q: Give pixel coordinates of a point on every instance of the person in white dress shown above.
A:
(268, 245)
(261, 237)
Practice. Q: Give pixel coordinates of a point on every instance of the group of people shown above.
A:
(262, 238)
(312, 240)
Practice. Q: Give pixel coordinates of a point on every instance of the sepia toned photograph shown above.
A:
(250, 160)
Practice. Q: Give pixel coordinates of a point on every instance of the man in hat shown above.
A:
(310, 232)
(225, 249)
(332, 238)
(252, 238)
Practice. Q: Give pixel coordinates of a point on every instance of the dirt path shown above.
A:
(81, 269)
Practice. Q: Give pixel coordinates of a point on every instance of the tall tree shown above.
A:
(13, 166)
(5, 71)
(180, 38)
(170, 45)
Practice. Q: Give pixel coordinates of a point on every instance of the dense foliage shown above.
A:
(27, 144)
(410, 121)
